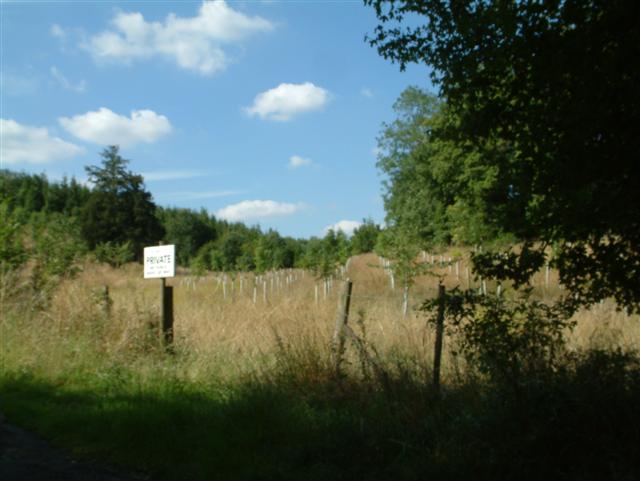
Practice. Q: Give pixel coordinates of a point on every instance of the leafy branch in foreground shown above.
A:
(557, 84)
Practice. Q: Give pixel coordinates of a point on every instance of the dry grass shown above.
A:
(233, 330)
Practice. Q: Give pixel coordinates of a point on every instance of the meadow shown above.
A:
(250, 392)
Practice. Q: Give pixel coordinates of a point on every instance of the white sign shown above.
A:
(159, 261)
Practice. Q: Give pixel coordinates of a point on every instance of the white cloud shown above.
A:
(288, 100)
(64, 81)
(296, 161)
(346, 226)
(366, 92)
(257, 209)
(108, 128)
(194, 43)
(33, 145)
(57, 31)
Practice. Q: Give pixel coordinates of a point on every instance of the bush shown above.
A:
(12, 252)
(506, 339)
(114, 254)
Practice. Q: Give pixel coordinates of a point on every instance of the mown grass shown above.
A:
(250, 393)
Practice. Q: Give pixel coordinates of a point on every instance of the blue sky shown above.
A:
(264, 112)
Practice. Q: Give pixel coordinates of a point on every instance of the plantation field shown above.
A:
(250, 392)
(247, 315)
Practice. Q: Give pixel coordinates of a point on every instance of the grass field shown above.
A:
(250, 392)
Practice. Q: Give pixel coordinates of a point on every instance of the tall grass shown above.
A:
(250, 392)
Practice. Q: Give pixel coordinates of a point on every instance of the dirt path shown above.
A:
(26, 457)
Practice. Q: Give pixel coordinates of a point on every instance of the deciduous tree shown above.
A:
(559, 83)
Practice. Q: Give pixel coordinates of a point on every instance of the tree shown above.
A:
(558, 83)
(230, 250)
(188, 230)
(271, 252)
(34, 193)
(12, 252)
(57, 249)
(436, 189)
(364, 238)
(119, 209)
(400, 247)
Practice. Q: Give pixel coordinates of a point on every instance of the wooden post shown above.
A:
(341, 323)
(106, 301)
(437, 355)
(167, 313)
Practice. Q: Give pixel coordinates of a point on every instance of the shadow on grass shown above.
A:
(580, 424)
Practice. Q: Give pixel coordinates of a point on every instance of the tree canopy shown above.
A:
(557, 85)
(437, 191)
(119, 209)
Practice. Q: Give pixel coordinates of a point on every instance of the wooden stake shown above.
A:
(167, 314)
(341, 323)
(437, 355)
(106, 301)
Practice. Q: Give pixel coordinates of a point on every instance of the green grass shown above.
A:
(107, 392)
(582, 423)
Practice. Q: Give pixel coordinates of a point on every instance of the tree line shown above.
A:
(115, 218)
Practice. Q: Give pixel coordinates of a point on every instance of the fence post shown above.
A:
(167, 313)
(437, 355)
(106, 301)
(341, 323)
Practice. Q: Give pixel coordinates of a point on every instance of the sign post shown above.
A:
(159, 263)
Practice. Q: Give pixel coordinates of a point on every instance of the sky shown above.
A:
(263, 112)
